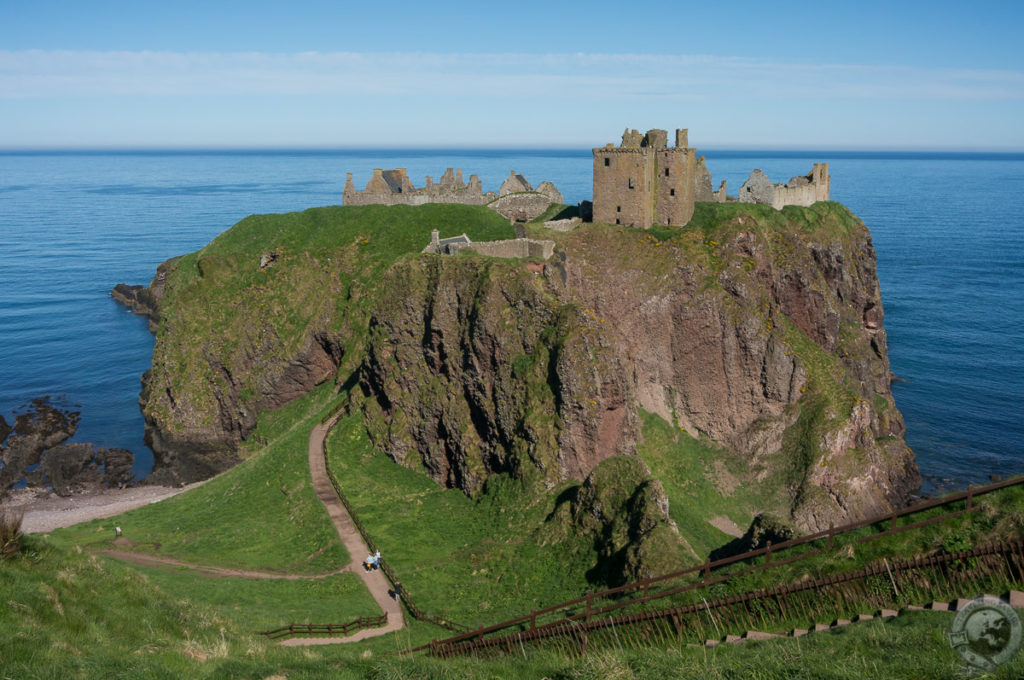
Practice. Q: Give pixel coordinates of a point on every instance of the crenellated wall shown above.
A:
(392, 187)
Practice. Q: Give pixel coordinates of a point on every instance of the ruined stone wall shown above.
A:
(800, 194)
(514, 183)
(564, 225)
(757, 189)
(516, 247)
(702, 182)
(516, 200)
(521, 207)
(392, 187)
(803, 190)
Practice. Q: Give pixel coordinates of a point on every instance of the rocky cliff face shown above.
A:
(216, 366)
(761, 331)
(475, 367)
(37, 441)
(762, 336)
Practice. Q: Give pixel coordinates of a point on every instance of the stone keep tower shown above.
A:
(643, 182)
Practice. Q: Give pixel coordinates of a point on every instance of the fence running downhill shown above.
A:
(577, 615)
(403, 592)
(328, 629)
(879, 585)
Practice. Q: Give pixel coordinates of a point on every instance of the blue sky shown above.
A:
(871, 75)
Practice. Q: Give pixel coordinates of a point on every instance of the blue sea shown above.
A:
(948, 229)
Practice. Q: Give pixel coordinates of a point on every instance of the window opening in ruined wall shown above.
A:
(630, 182)
(607, 162)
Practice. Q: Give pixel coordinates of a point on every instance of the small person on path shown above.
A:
(397, 592)
(376, 560)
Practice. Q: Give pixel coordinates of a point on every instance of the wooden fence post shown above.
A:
(831, 535)
(768, 552)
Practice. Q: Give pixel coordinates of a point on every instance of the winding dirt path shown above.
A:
(375, 581)
(147, 560)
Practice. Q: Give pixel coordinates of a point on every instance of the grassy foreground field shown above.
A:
(72, 614)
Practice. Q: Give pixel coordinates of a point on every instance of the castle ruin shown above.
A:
(801, 190)
(643, 182)
(516, 199)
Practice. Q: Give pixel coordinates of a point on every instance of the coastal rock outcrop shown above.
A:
(762, 337)
(40, 427)
(252, 381)
(757, 330)
(34, 451)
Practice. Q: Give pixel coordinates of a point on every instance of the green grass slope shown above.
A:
(226, 324)
(260, 515)
(474, 561)
(705, 485)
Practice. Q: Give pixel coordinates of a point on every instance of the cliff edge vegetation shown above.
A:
(654, 390)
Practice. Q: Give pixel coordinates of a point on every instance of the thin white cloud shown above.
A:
(57, 74)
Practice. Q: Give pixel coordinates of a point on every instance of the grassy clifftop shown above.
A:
(751, 339)
(267, 310)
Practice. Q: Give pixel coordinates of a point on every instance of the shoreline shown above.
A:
(45, 511)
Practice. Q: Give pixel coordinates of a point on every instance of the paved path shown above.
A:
(375, 581)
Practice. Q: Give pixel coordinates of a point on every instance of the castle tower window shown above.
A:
(607, 162)
(666, 172)
(618, 208)
(671, 192)
(631, 185)
(618, 221)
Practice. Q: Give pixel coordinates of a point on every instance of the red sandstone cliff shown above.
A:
(759, 334)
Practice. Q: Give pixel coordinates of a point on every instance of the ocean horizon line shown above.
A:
(397, 151)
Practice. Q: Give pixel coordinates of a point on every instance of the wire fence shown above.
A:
(694, 579)
(402, 591)
(883, 584)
